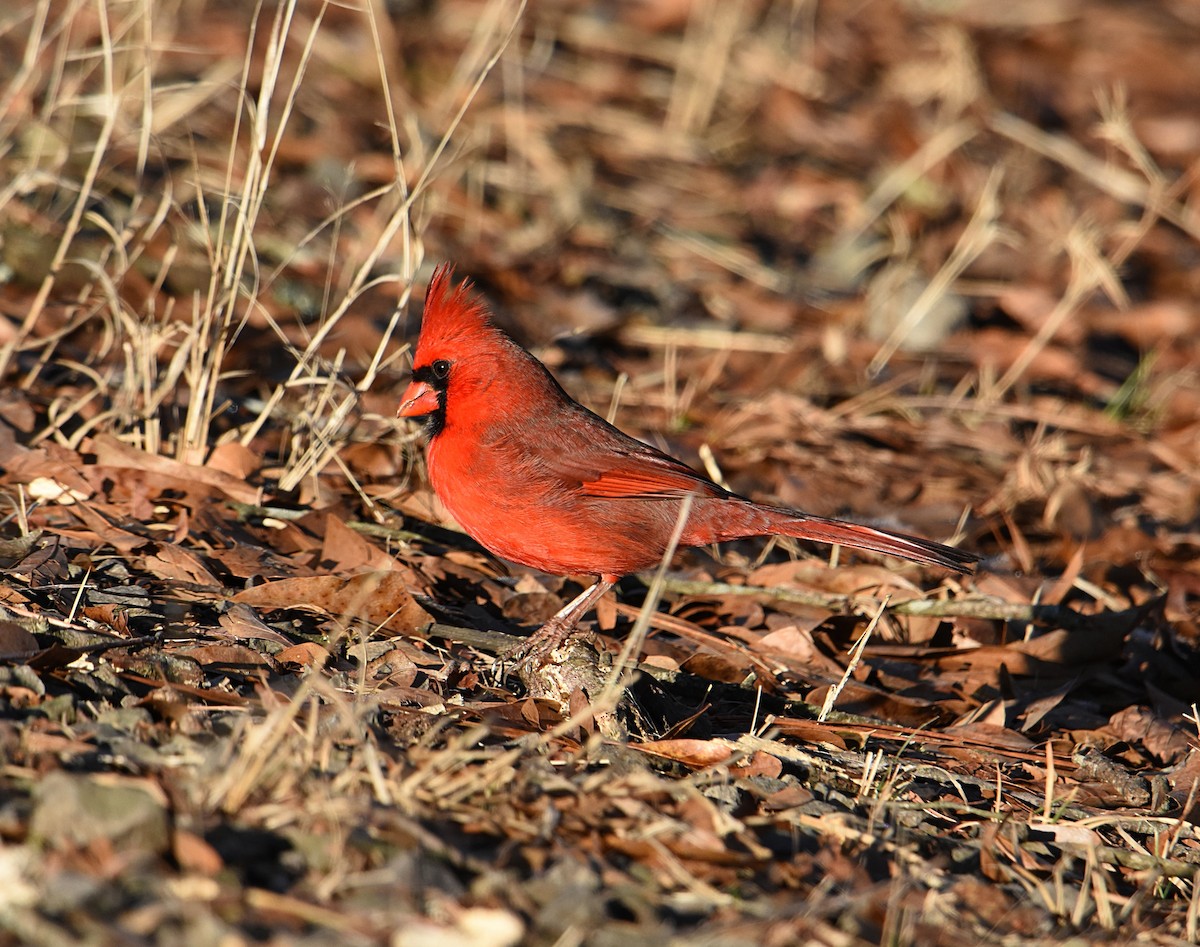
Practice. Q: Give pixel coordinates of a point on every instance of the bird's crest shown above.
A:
(451, 313)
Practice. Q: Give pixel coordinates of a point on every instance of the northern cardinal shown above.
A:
(540, 480)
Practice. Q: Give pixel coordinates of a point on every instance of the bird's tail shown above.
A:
(838, 532)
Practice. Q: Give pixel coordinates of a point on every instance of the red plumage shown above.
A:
(539, 479)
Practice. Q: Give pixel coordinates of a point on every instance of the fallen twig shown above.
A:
(1059, 616)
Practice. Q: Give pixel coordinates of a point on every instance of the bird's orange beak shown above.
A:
(418, 399)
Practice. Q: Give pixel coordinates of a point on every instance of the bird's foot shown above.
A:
(538, 649)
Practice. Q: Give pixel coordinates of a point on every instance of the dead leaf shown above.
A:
(378, 598)
(234, 459)
(169, 561)
(810, 731)
(111, 452)
(15, 640)
(345, 551)
(194, 854)
(696, 754)
(234, 656)
(239, 621)
(306, 654)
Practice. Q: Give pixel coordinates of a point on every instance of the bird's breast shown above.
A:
(519, 509)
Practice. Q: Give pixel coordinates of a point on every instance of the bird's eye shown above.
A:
(441, 368)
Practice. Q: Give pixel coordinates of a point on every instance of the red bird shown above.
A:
(539, 479)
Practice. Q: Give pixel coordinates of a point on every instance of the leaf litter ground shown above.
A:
(932, 271)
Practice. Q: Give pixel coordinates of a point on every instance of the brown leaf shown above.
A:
(194, 854)
(345, 550)
(306, 654)
(235, 459)
(789, 641)
(240, 621)
(378, 598)
(113, 615)
(810, 731)
(696, 754)
(717, 667)
(209, 695)
(169, 561)
(120, 539)
(760, 763)
(1138, 725)
(15, 640)
(111, 452)
(227, 655)
(411, 696)
(16, 410)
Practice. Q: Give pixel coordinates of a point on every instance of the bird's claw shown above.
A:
(537, 650)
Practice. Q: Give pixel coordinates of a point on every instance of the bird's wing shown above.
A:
(646, 485)
(599, 460)
(642, 473)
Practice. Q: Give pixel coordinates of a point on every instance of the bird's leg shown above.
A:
(537, 648)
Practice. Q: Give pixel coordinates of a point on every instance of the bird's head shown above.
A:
(460, 353)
